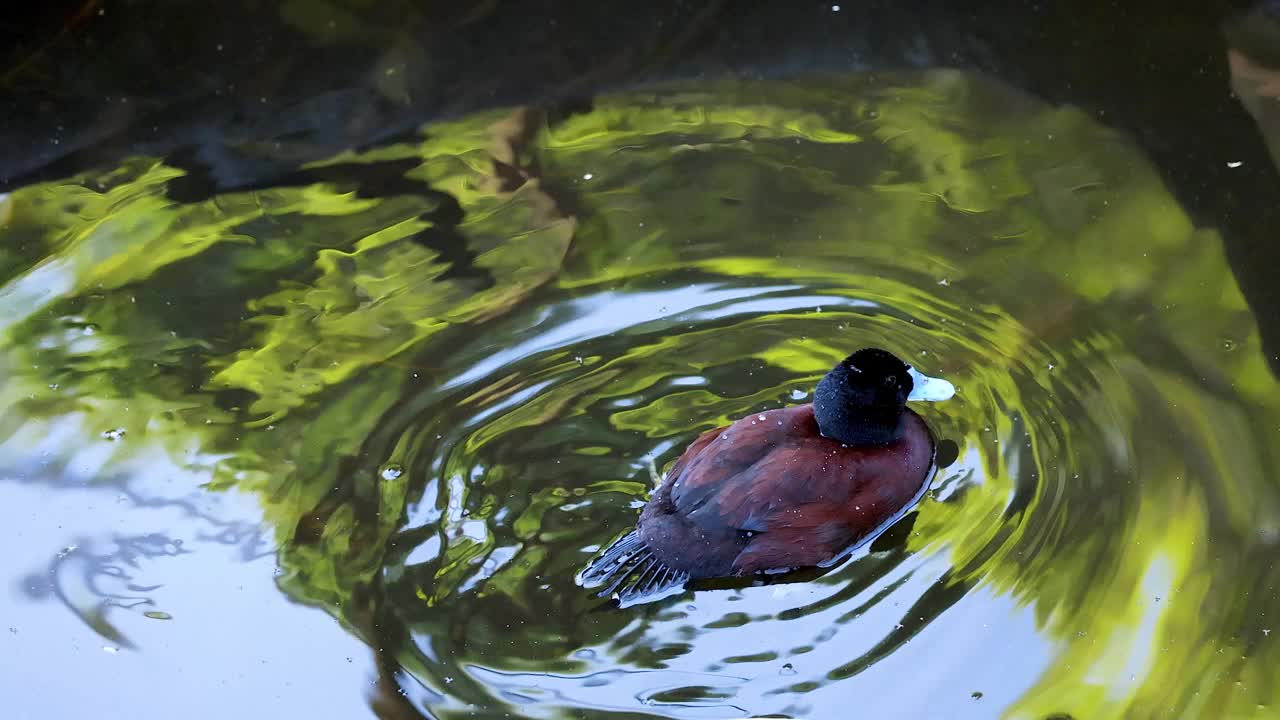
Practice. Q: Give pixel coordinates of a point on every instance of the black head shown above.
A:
(860, 401)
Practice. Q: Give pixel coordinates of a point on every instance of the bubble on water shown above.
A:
(110, 649)
(799, 394)
(391, 472)
(976, 695)
(113, 434)
(787, 669)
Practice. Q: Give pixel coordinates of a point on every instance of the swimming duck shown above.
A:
(784, 489)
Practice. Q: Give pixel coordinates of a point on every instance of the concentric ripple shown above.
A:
(541, 450)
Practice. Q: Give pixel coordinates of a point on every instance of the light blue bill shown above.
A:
(929, 389)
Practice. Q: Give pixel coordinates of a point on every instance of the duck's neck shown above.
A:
(865, 427)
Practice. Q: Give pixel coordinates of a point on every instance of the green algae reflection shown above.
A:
(442, 417)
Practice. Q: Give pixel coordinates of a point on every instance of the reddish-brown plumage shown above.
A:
(770, 493)
(783, 489)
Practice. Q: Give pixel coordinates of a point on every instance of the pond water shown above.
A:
(337, 447)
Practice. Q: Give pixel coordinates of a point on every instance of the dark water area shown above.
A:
(331, 436)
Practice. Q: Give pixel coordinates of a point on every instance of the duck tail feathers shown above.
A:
(630, 573)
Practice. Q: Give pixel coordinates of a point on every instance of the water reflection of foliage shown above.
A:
(1080, 351)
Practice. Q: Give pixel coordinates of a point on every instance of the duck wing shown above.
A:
(798, 498)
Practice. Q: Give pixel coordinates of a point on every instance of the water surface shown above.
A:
(339, 447)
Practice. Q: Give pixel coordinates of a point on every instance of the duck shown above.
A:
(782, 490)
